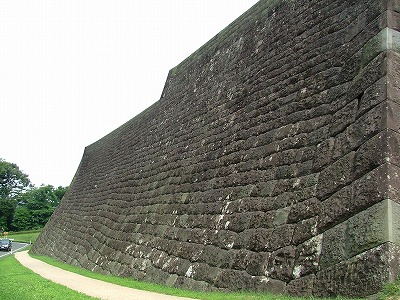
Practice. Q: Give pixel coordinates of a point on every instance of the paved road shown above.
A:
(15, 247)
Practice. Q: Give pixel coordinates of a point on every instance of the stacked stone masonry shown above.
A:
(270, 163)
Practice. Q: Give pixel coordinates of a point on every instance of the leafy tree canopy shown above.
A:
(45, 196)
(12, 180)
(22, 205)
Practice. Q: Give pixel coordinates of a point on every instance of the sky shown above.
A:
(71, 71)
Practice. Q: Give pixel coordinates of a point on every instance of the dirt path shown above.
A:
(88, 286)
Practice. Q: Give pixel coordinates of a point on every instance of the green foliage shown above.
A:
(36, 206)
(22, 217)
(12, 182)
(7, 209)
(22, 205)
(391, 291)
(19, 282)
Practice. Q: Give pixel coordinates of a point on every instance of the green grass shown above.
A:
(24, 236)
(20, 283)
(165, 289)
(391, 291)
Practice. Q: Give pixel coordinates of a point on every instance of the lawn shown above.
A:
(21, 283)
(24, 236)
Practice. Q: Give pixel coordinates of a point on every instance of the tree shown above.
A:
(12, 182)
(37, 205)
(7, 208)
(22, 219)
(22, 205)
(60, 192)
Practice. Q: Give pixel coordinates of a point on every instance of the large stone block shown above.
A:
(371, 227)
(364, 274)
(301, 287)
(337, 175)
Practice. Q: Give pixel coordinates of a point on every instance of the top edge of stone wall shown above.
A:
(259, 11)
(113, 135)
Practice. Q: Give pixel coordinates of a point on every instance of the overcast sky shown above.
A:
(72, 71)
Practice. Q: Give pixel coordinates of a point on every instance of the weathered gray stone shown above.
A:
(363, 274)
(266, 284)
(281, 264)
(304, 210)
(372, 188)
(336, 208)
(302, 286)
(305, 230)
(308, 257)
(337, 175)
(372, 96)
(202, 272)
(334, 247)
(271, 162)
(372, 227)
(233, 280)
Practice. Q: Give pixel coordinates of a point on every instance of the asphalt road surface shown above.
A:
(15, 247)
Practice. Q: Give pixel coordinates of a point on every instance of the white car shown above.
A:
(5, 244)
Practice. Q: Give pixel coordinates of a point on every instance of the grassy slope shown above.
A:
(24, 236)
(21, 283)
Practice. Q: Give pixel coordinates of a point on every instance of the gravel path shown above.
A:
(88, 286)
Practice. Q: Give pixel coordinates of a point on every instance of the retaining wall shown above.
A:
(270, 162)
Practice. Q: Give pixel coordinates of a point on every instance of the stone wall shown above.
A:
(271, 162)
